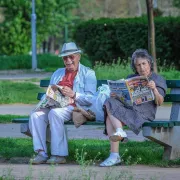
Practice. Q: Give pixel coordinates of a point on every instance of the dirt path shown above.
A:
(71, 171)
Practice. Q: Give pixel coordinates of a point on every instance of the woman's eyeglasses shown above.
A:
(70, 57)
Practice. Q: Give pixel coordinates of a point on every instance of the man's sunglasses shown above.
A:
(70, 57)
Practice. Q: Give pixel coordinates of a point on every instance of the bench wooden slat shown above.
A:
(168, 97)
(172, 98)
(26, 120)
(40, 96)
(151, 124)
(162, 123)
(176, 123)
(173, 83)
(100, 82)
(44, 83)
(170, 83)
(20, 120)
(159, 124)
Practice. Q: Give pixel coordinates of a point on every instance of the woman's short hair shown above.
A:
(141, 53)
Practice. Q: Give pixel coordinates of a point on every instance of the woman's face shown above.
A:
(143, 67)
(71, 62)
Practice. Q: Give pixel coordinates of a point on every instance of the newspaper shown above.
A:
(53, 98)
(132, 91)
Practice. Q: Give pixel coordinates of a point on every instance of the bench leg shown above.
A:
(167, 137)
(25, 130)
(171, 153)
(167, 152)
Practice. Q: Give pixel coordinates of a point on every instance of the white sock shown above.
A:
(119, 130)
(114, 155)
(42, 153)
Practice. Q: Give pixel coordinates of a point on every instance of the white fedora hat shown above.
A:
(69, 48)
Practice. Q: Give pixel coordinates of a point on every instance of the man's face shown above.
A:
(71, 62)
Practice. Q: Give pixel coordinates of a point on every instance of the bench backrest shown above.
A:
(168, 98)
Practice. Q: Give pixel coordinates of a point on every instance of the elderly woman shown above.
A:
(134, 116)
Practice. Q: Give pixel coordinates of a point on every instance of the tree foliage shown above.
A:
(108, 39)
(15, 31)
(176, 3)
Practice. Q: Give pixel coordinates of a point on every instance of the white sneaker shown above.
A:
(118, 136)
(110, 162)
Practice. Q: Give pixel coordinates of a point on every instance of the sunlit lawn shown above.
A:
(26, 92)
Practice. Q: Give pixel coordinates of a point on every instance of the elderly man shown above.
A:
(79, 83)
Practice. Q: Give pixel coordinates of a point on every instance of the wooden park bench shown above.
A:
(165, 133)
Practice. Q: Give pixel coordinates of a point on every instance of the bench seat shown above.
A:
(150, 124)
(26, 120)
(165, 124)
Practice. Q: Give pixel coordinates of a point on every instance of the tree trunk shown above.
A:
(139, 8)
(51, 45)
(106, 4)
(44, 46)
(151, 32)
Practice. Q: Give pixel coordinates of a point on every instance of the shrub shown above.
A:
(107, 39)
(48, 62)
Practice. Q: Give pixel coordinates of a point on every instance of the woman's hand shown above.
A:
(158, 97)
(151, 85)
(67, 91)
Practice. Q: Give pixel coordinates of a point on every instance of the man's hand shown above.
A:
(66, 91)
(54, 88)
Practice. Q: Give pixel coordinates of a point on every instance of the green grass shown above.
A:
(149, 152)
(17, 92)
(111, 71)
(26, 92)
(118, 71)
(8, 118)
(171, 74)
(48, 62)
(32, 80)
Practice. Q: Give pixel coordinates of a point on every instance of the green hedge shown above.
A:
(48, 62)
(107, 39)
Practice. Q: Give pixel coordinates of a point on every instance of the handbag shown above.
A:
(98, 100)
(80, 116)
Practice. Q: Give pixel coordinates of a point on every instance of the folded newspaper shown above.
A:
(53, 98)
(132, 91)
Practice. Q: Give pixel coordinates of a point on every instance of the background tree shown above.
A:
(176, 3)
(151, 32)
(15, 30)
